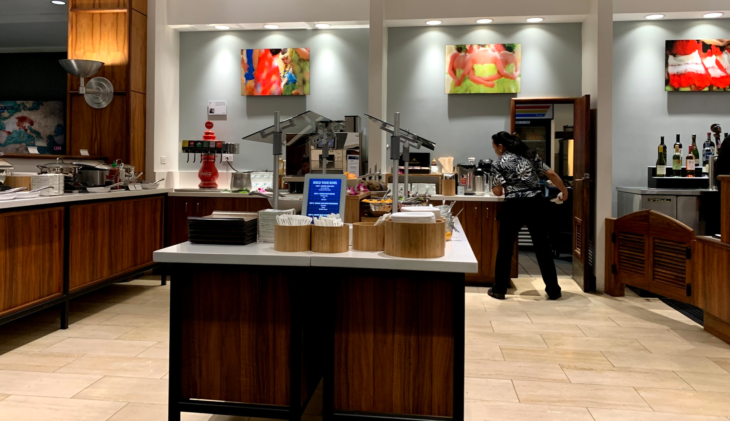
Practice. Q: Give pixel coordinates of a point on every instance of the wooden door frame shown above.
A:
(588, 276)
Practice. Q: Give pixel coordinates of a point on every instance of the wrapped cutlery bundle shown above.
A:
(331, 220)
(293, 220)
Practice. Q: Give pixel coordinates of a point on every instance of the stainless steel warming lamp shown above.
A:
(99, 92)
(408, 139)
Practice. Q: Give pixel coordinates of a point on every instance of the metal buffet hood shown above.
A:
(302, 125)
(413, 139)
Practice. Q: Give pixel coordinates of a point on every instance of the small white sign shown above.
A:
(217, 107)
(33, 149)
(84, 152)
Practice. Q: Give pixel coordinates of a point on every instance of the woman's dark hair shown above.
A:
(512, 143)
(723, 157)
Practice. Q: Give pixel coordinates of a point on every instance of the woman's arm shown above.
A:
(555, 178)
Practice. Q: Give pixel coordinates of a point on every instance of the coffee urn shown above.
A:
(466, 173)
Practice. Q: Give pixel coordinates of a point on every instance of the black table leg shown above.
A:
(64, 314)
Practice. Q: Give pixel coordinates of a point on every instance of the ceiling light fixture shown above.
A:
(433, 22)
(535, 20)
(654, 17)
(58, 2)
(485, 21)
(713, 15)
(322, 25)
(222, 27)
(270, 26)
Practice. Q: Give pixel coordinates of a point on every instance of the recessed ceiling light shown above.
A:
(535, 20)
(433, 22)
(655, 17)
(322, 25)
(714, 15)
(271, 26)
(222, 27)
(485, 21)
(58, 2)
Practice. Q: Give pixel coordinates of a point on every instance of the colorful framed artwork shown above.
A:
(32, 123)
(275, 72)
(697, 65)
(483, 68)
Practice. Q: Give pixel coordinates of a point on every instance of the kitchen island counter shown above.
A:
(465, 198)
(78, 197)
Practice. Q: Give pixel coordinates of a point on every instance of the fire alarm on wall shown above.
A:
(217, 107)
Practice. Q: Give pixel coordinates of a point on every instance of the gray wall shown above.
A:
(642, 110)
(210, 70)
(462, 125)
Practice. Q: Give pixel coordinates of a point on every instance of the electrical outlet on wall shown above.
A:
(227, 157)
(163, 160)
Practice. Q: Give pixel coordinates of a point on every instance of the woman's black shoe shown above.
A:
(554, 297)
(495, 295)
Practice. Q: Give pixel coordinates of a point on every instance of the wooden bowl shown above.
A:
(292, 238)
(331, 239)
(367, 237)
(415, 241)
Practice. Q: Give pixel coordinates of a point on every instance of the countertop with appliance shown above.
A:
(459, 257)
(671, 192)
(78, 197)
(465, 198)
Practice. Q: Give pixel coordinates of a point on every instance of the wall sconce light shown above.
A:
(99, 92)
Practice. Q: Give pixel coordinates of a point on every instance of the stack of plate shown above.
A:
(56, 181)
(267, 221)
(237, 230)
(414, 218)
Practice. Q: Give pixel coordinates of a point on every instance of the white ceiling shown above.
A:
(22, 11)
(32, 26)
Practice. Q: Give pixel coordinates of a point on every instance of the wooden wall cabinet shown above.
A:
(108, 239)
(114, 32)
(31, 258)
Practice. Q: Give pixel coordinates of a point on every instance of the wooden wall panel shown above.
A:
(140, 6)
(394, 344)
(102, 131)
(137, 130)
(138, 53)
(98, 4)
(236, 334)
(713, 265)
(103, 37)
(31, 257)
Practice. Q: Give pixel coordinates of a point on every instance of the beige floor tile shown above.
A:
(476, 351)
(166, 376)
(150, 368)
(137, 320)
(28, 343)
(91, 331)
(139, 309)
(153, 334)
(518, 340)
(593, 344)
(491, 304)
(540, 328)
(654, 322)
(627, 332)
(722, 362)
(489, 390)
(487, 317)
(565, 320)
(579, 395)
(602, 375)
(2, 397)
(502, 411)
(101, 347)
(152, 412)
(160, 350)
(706, 382)
(662, 362)
(127, 389)
(89, 318)
(541, 307)
(31, 408)
(714, 349)
(685, 402)
(35, 361)
(471, 290)
(54, 385)
(554, 356)
(510, 370)
(602, 414)
(696, 336)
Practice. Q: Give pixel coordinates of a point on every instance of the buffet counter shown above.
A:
(78, 197)
(465, 198)
(253, 331)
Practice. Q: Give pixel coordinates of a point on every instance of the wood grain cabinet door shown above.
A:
(471, 222)
(31, 258)
(110, 238)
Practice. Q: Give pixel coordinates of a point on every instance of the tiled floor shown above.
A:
(586, 357)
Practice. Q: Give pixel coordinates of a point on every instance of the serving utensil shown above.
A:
(15, 190)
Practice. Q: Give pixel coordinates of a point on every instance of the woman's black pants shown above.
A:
(515, 214)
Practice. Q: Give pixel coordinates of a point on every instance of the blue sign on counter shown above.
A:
(324, 194)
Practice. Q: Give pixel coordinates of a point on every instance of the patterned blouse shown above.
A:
(519, 176)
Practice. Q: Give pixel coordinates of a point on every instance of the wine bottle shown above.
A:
(661, 161)
(663, 150)
(677, 162)
(690, 162)
(678, 143)
(696, 153)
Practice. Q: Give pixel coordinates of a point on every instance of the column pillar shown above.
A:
(377, 84)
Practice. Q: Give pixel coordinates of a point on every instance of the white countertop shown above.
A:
(468, 198)
(218, 194)
(459, 257)
(77, 197)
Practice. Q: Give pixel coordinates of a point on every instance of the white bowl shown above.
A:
(149, 186)
(98, 189)
(7, 196)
